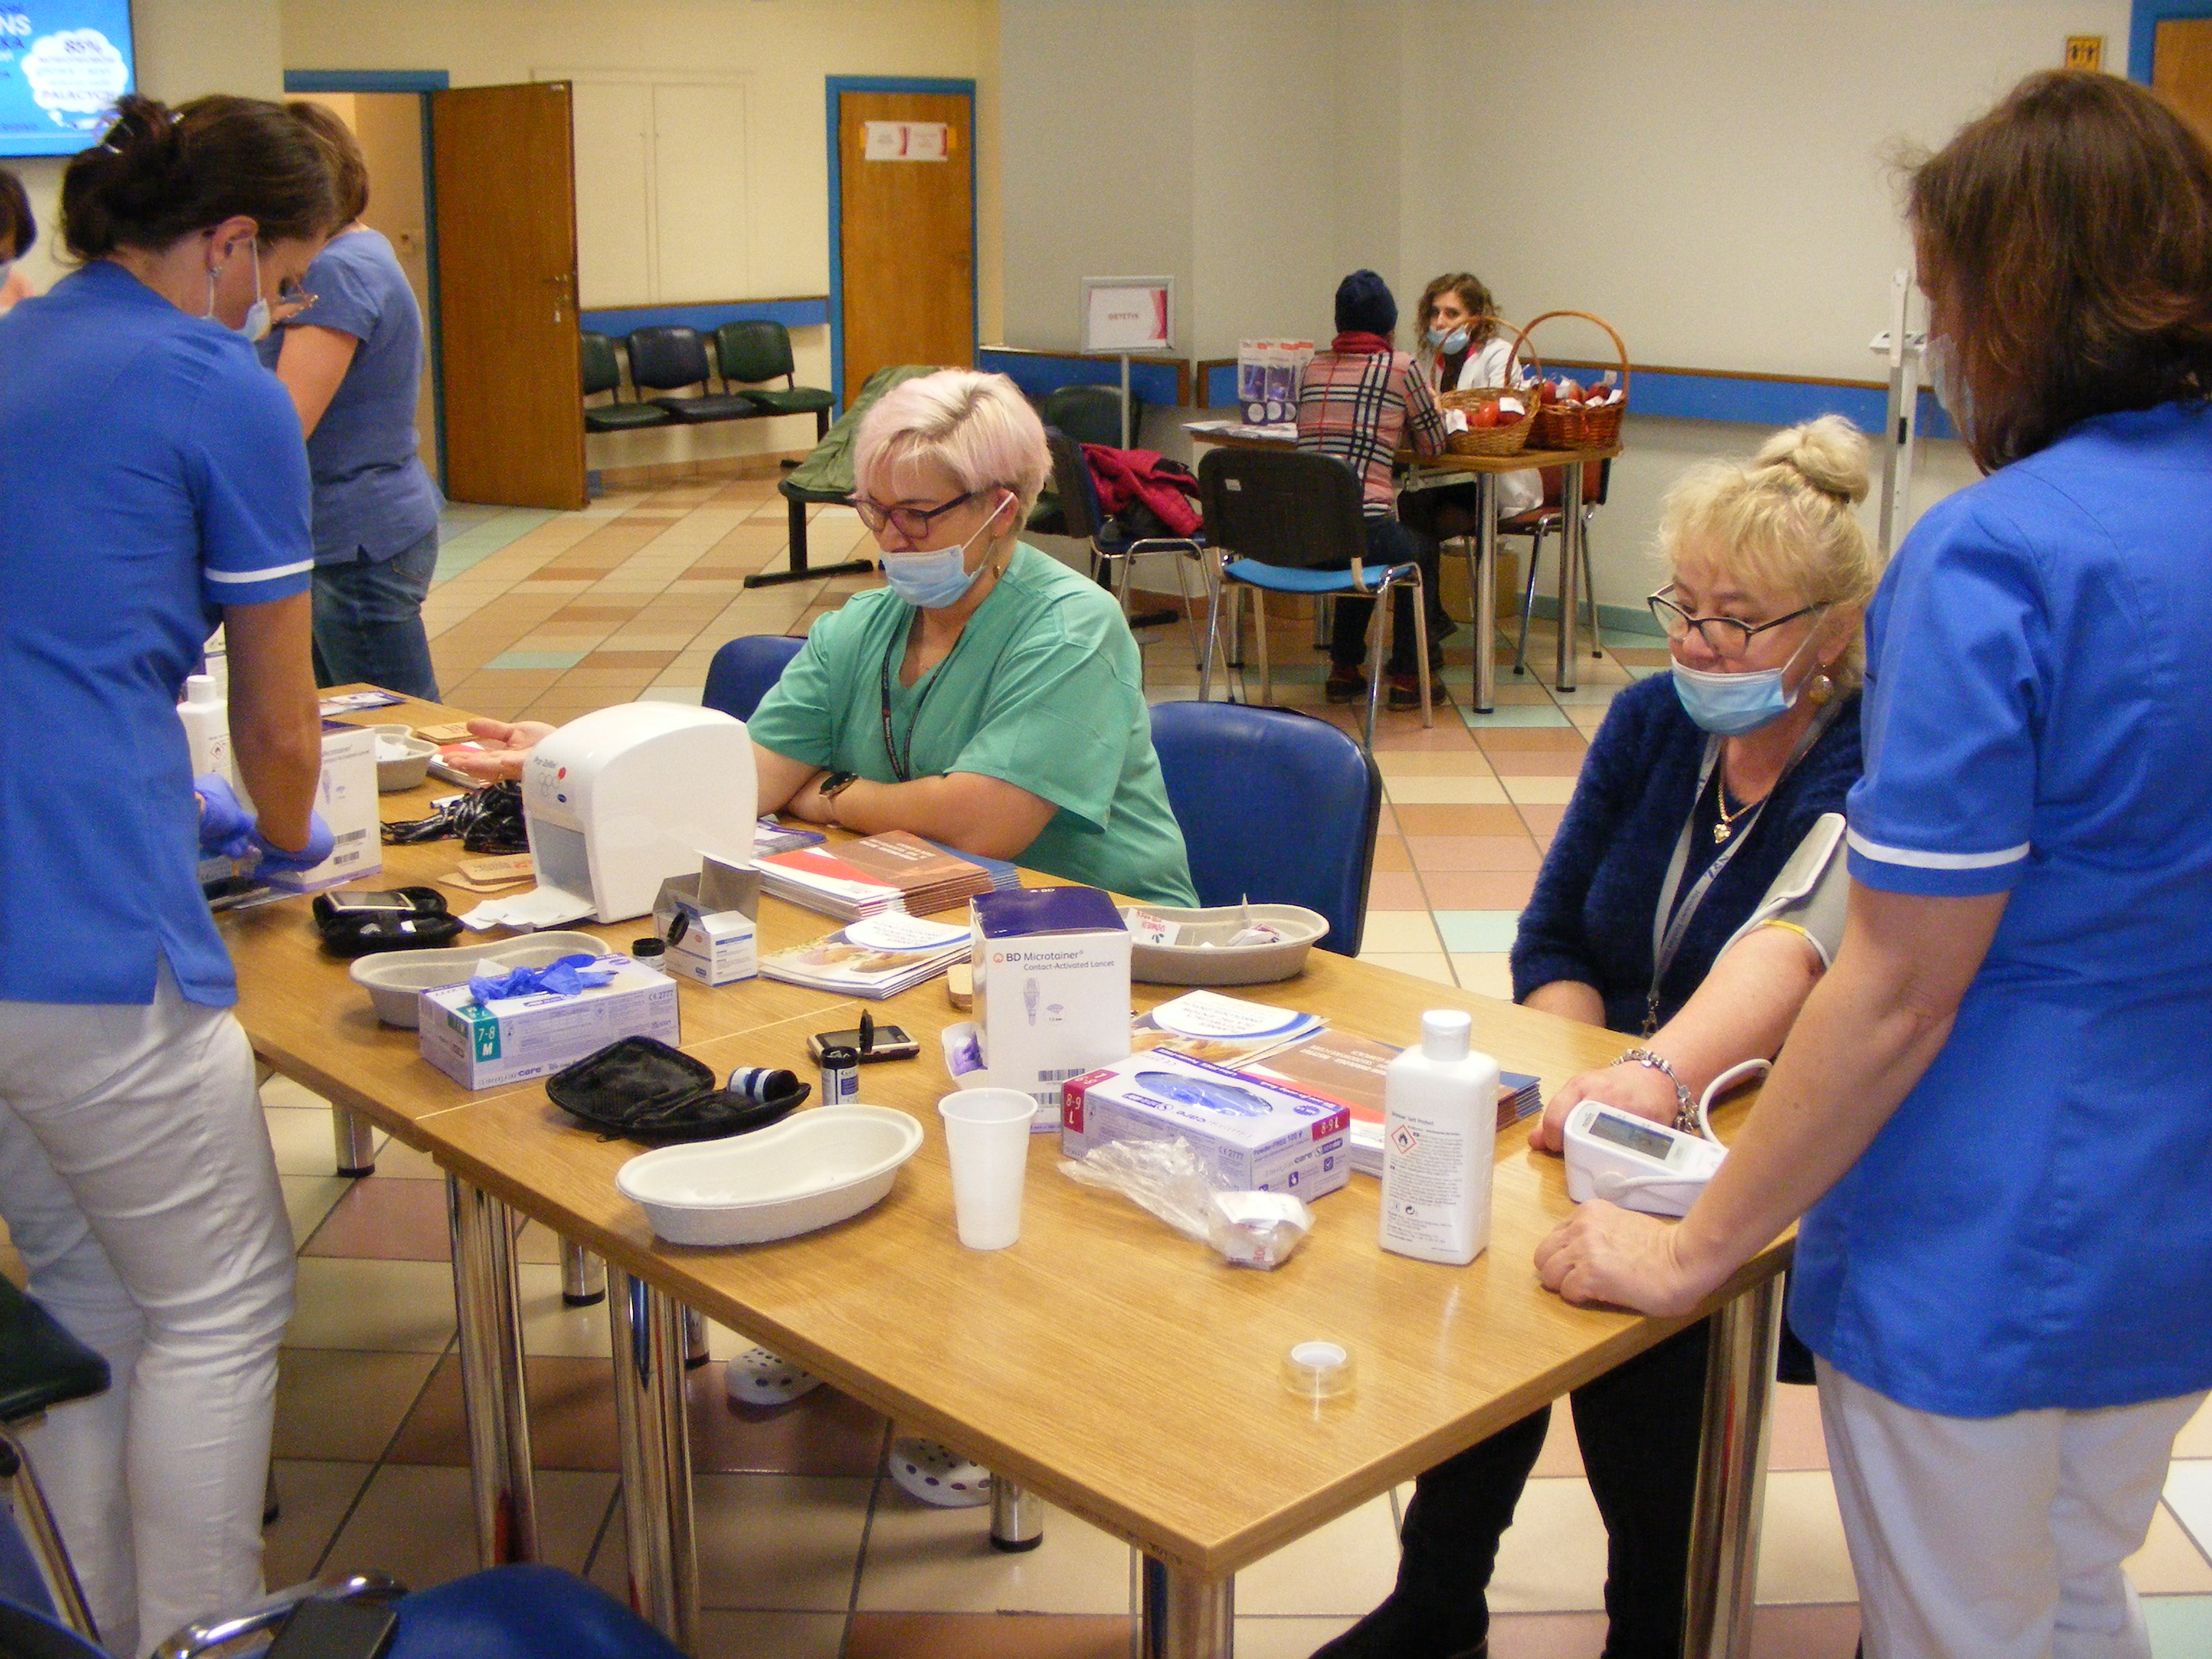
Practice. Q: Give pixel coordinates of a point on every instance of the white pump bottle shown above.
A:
(1439, 1136)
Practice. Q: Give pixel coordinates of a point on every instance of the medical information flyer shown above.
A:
(63, 64)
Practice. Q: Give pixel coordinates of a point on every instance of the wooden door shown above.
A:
(906, 233)
(2181, 67)
(504, 169)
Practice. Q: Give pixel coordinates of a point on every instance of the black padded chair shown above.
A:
(1236, 775)
(753, 352)
(603, 373)
(41, 1366)
(668, 359)
(1114, 555)
(1290, 521)
(1090, 414)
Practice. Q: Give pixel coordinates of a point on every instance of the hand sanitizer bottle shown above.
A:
(1439, 1133)
(206, 714)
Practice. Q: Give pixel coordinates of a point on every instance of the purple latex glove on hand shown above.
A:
(275, 861)
(225, 825)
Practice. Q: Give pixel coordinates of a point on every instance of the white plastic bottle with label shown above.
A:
(206, 714)
(1439, 1133)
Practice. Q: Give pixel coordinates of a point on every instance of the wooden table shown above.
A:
(1104, 1361)
(1481, 548)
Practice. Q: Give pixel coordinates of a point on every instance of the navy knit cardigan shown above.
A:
(1590, 917)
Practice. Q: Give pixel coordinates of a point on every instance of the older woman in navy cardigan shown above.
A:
(1696, 790)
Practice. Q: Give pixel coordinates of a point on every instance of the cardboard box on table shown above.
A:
(1052, 988)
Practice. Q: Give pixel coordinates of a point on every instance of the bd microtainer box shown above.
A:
(1052, 988)
(1253, 1138)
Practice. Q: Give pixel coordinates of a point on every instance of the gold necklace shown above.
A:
(1726, 826)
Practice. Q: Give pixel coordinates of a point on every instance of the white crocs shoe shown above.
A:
(937, 1475)
(757, 1377)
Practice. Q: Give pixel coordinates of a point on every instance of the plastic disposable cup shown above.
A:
(987, 1136)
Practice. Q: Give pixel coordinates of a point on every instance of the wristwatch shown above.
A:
(1685, 1113)
(836, 781)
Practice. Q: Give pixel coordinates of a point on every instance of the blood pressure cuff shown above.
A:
(1810, 895)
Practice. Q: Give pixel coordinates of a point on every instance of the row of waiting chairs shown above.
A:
(666, 360)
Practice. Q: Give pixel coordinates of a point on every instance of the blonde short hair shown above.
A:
(1783, 520)
(978, 428)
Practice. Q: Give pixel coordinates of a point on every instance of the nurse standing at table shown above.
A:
(152, 484)
(1993, 1113)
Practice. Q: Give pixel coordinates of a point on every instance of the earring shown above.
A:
(1820, 688)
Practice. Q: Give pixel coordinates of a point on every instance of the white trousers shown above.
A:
(137, 1181)
(2000, 1537)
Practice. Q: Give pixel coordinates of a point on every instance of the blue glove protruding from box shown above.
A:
(275, 861)
(226, 825)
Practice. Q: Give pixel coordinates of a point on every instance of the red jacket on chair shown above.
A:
(1125, 475)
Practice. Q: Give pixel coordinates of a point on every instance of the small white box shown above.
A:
(1255, 1138)
(346, 796)
(721, 940)
(1052, 988)
(513, 1039)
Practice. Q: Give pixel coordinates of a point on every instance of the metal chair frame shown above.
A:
(1549, 517)
(1079, 505)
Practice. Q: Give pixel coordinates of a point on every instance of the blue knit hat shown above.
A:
(1364, 305)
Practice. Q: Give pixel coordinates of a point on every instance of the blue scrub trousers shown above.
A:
(368, 621)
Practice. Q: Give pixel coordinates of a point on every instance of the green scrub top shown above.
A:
(1041, 691)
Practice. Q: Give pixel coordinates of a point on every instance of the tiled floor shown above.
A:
(805, 1550)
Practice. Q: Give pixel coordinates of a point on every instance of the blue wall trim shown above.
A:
(366, 81)
(2143, 19)
(1152, 384)
(835, 87)
(1718, 398)
(791, 313)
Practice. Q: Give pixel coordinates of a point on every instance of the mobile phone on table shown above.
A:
(877, 1043)
(335, 1630)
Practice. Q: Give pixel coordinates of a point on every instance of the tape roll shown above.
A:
(1318, 1371)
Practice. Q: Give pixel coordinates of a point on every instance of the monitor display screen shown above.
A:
(63, 64)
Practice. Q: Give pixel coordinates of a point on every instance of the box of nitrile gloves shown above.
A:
(1052, 988)
(346, 796)
(1253, 1136)
(485, 1045)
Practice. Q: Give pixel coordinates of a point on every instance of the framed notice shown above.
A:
(903, 140)
(1128, 313)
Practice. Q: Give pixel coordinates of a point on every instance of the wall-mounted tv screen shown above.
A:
(63, 64)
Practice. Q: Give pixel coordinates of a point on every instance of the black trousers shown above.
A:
(1638, 1427)
(1389, 543)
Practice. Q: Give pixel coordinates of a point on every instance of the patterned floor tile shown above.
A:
(988, 1636)
(1471, 931)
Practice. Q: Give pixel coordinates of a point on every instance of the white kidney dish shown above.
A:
(395, 979)
(813, 1169)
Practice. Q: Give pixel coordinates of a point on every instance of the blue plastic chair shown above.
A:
(1275, 806)
(1290, 521)
(744, 669)
(508, 1613)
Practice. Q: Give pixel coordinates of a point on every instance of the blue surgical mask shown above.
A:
(934, 580)
(1450, 344)
(1730, 705)
(256, 325)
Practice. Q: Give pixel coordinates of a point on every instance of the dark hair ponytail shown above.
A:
(18, 228)
(160, 174)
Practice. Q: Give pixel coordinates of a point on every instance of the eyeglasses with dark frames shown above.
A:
(1725, 636)
(912, 523)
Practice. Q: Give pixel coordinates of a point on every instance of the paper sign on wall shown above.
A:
(904, 141)
(1128, 313)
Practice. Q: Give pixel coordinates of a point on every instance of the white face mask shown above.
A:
(256, 325)
(1952, 390)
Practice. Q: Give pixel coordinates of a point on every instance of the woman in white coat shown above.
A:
(1459, 346)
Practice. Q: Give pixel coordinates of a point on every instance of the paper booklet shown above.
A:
(878, 956)
(894, 870)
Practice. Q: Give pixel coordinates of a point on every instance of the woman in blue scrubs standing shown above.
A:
(153, 483)
(1992, 1113)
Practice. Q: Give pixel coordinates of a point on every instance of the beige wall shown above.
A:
(774, 54)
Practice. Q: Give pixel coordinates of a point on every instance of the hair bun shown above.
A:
(1829, 453)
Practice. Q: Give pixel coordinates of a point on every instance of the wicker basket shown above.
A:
(1571, 426)
(1492, 440)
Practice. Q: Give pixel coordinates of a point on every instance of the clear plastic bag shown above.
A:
(1246, 1229)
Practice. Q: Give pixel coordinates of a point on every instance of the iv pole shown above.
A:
(1901, 432)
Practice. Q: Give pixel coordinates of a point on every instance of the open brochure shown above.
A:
(876, 958)
(894, 870)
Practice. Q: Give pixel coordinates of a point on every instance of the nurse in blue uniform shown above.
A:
(153, 483)
(1993, 1112)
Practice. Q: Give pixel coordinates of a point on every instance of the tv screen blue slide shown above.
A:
(63, 64)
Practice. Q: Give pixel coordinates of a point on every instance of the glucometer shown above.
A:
(1641, 1165)
(868, 1042)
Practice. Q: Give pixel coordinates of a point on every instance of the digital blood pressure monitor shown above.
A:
(1635, 1163)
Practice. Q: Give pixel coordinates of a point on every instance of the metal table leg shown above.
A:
(1572, 531)
(1017, 1516)
(1486, 591)
(647, 1327)
(1187, 1617)
(488, 1306)
(583, 1276)
(1732, 1475)
(355, 1138)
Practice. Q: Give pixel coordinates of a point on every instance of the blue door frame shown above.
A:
(2143, 18)
(421, 83)
(835, 87)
